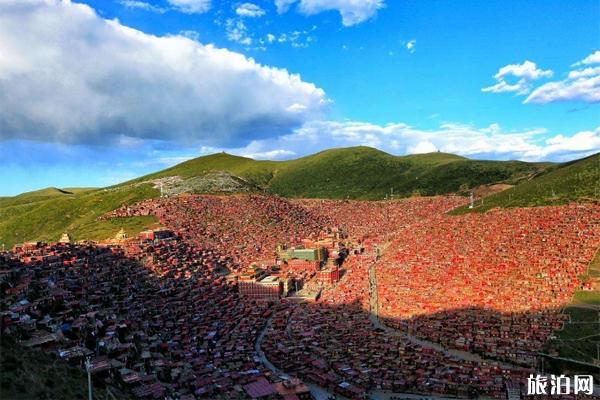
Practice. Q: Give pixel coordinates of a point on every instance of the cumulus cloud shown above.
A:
(584, 89)
(249, 10)
(74, 77)
(585, 142)
(398, 138)
(580, 85)
(191, 6)
(593, 58)
(525, 74)
(353, 12)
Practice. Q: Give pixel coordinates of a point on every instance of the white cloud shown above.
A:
(422, 147)
(190, 34)
(525, 74)
(74, 77)
(585, 142)
(585, 89)
(411, 46)
(580, 85)
(191, 6)
(297, 39)
(276, 154)
(283, 5)
(584, 73)
(593, 58)
(142, 5)
(521, 87)
(298, 108)
(249, 10)
(490, 142)
(527, 70)
(236, 31)
(353, 12)
(255, 149)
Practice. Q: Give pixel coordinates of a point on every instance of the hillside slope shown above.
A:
(355, 172)
(366, 173)
(32, 374)
(578, 180)
(41, 195)
(76, 214)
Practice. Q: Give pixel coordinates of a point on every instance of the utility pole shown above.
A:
(88, 367)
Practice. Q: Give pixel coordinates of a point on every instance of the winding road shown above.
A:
(320, 393)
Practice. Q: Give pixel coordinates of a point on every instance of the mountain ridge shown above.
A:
(356, 172)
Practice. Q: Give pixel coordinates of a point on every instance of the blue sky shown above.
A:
(97, 92)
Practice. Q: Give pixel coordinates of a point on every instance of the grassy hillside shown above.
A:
(77, 213)
(355, 172)
(256, 172)
(41, 195)
(365, 173)
(577, 180)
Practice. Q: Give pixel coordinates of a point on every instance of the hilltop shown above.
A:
(41, 195)
(356, 173)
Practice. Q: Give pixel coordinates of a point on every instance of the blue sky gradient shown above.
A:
(406, 78)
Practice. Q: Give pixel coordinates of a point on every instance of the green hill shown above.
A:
(77, 214)
(355, 172)
(578, 180)
(41, 195)
(255, 171)
(366, 173)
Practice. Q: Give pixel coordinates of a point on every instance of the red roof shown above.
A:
(259, 388)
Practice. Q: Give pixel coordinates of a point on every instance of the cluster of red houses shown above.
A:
(493, 283)
(335, 344)
(172, 313)
(160, 321)
(246, 228)
(364, 220)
